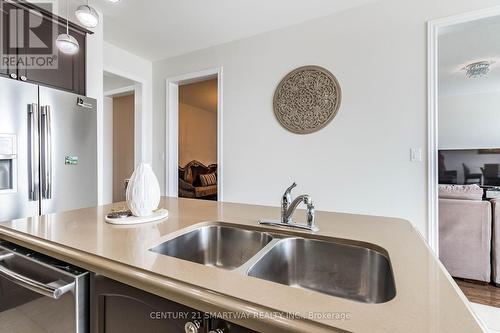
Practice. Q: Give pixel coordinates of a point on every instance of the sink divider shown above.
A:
(243, 269)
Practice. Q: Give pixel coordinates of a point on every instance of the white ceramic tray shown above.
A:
(157, 215)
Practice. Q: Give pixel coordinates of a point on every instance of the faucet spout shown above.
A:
(288, 207)
(306, 199)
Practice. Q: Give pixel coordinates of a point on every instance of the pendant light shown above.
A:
(66, 43)
(87, 15)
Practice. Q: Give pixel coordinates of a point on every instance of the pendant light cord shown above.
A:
(67, 17)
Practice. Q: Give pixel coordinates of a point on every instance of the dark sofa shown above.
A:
(191, 182)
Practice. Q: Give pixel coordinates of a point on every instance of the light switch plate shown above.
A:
(415, 155)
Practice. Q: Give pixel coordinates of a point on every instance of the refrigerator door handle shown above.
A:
(46, 136)
(33, 158)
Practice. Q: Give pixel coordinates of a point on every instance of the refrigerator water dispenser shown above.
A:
(8, 159)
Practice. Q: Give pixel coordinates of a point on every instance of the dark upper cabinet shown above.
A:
(39, 60)
(66, 72)
(8, 40)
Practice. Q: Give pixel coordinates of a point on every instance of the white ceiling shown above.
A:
(158, 29)
(463, 44)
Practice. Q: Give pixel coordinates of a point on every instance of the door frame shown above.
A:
(433, 28)
(140, 107)
(172, 126)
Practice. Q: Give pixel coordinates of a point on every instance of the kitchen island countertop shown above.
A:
(427, 299)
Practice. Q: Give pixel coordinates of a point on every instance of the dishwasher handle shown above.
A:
(53, 290)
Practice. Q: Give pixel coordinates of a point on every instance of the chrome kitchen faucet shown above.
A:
(288, 207)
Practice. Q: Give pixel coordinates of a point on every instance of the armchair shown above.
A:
(465, 224)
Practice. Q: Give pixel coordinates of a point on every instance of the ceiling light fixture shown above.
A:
(66, 43)
(87, 15)
(114, 1)
(477, 70)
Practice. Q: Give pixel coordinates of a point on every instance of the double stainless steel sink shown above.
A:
(349, 269)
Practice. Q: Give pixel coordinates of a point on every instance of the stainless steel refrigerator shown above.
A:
(48, 150)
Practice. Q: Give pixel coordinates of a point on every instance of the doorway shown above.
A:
(437, 76)
(123, 143)
(464, 151)
(120, 100)
(194, 135)
(197, 141)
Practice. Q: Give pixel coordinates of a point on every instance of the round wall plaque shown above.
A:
(307, 99)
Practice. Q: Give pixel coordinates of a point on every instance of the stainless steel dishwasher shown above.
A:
(41, 294)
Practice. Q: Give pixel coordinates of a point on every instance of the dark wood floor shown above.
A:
(476, 292)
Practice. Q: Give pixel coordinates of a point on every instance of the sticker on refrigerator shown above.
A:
(71, 160)
(84, 102)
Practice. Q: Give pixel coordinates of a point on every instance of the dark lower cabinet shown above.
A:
(119, 308)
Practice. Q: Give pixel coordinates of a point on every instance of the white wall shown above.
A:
(360, 162)
(197, 135)
(469, 121)
(108, 151)
(123, 63)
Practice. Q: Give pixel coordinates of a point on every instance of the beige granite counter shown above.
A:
(427, 299)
